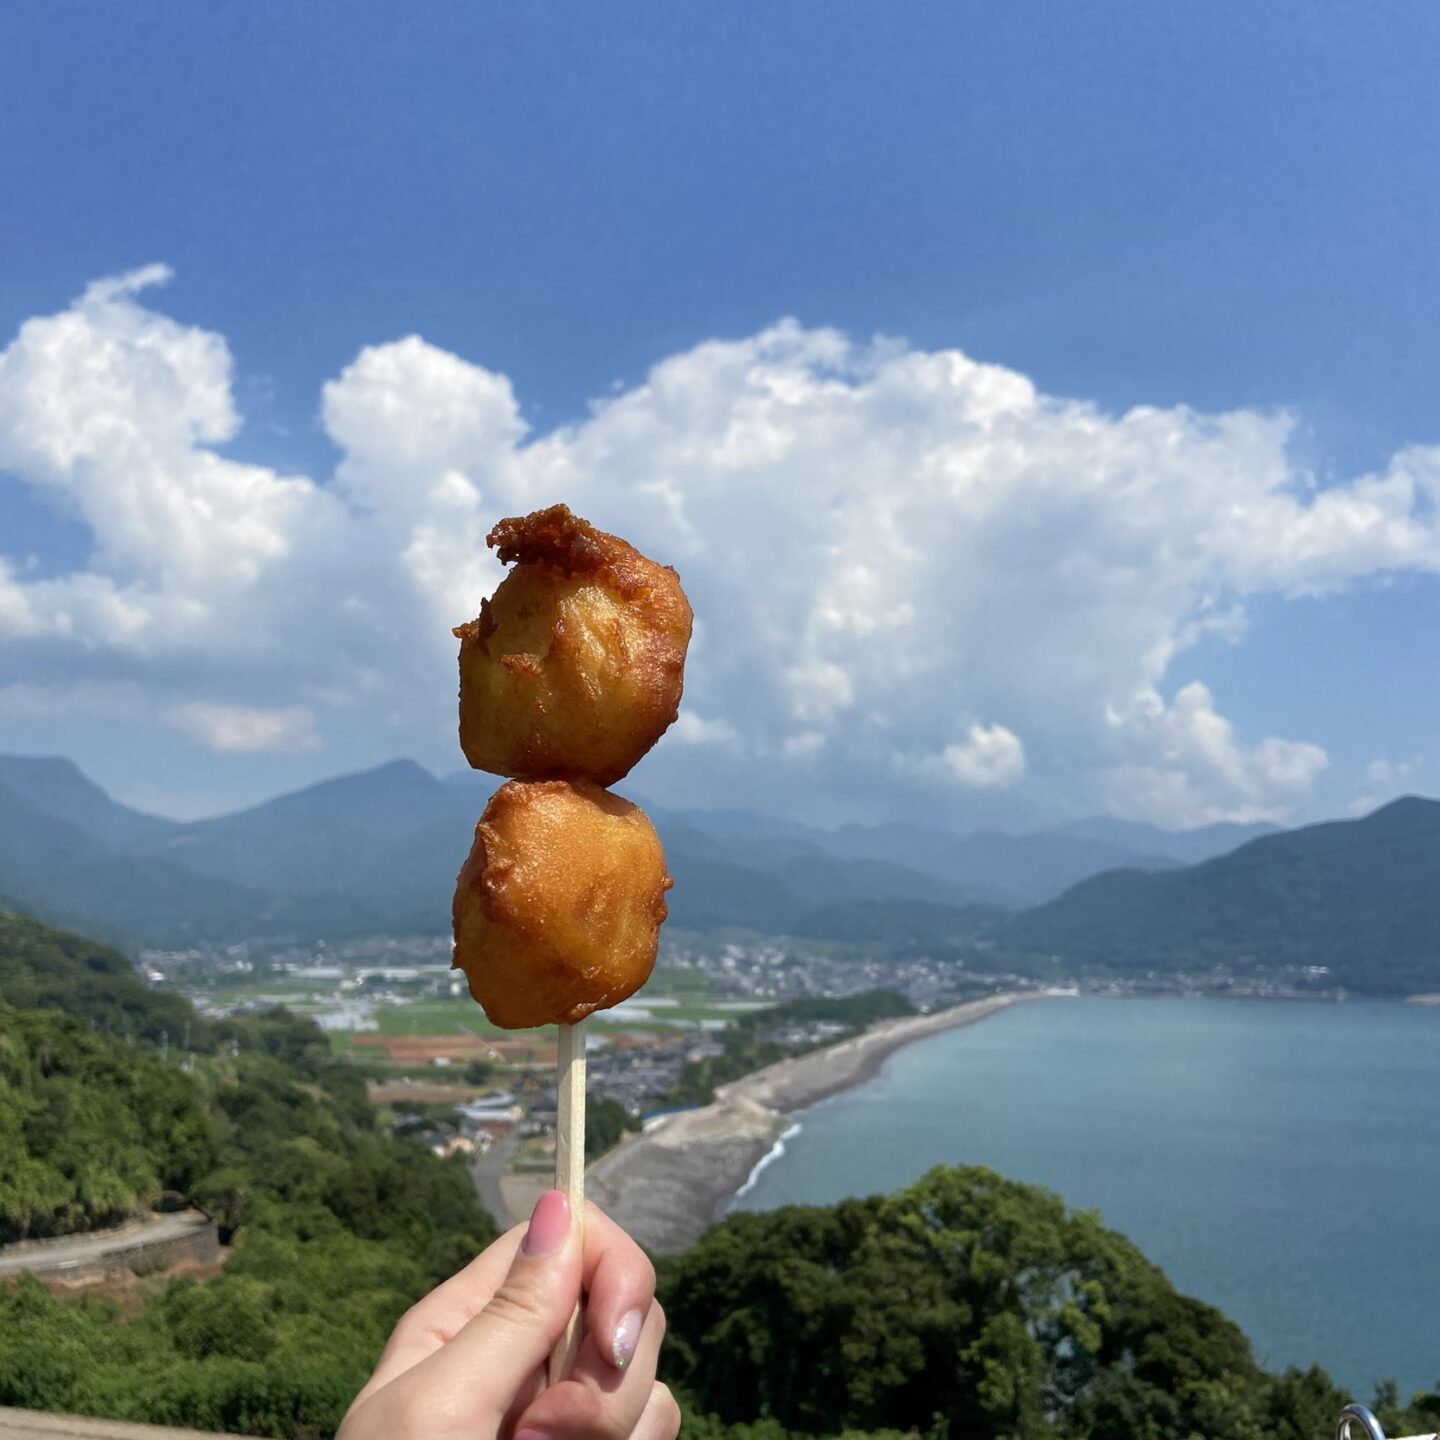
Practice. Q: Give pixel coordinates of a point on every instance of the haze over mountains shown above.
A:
(377, 851)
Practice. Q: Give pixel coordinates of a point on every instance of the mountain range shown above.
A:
(1358, 897)
(377, 852)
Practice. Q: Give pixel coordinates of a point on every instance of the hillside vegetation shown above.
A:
(88, 1127)
(337, 1226)
(966, 1305)
(48, 969)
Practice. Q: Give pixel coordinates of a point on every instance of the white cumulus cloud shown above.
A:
(246, 728)
(1193, 765)
(692, 729)
(989, 756)
(877, 540)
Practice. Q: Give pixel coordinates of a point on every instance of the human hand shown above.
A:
(467, 1362)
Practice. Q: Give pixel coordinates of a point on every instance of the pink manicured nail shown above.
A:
(627, 1337)
(549, 1226)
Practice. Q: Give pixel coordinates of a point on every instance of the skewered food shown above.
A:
(573, 668)
(558, 908)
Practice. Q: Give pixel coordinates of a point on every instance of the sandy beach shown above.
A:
(670, 1184)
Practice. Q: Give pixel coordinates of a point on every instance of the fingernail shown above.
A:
(530, 1433)
(627, 1337)
(549, 1226)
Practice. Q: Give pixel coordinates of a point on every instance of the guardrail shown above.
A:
(1369, 1426)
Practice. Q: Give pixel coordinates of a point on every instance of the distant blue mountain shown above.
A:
(378, 851)
(58, 871)
(59, 788)
(332, 837)
(1358, 897)
(984, 866)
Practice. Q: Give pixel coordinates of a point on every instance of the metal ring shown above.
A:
(1364, 1417)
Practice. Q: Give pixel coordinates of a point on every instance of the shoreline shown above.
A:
(671, 1183)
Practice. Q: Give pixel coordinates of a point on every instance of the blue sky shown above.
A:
(1224, 207)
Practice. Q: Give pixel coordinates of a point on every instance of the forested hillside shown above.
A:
(89, 1128)
(967, 1305)
(1356, 896)
(336, 1225)
(47, 969)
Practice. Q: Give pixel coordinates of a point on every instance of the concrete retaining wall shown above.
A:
(183, 1238)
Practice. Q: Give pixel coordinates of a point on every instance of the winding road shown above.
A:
(99, 1249)
(485, 1175)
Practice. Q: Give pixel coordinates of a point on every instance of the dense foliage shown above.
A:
(337, 1229)
(337, 1225)
(87, 1126)
(1356, 896)
(966, 1305)
(606, 1122)
(752, 1040)
(42, 968)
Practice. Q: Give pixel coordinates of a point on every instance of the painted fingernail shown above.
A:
(549, 1226)
(627, 1337)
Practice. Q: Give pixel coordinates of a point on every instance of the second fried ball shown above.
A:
(574, 667)
(558, 908)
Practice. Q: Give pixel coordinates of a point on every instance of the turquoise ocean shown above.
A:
(1279, 1159)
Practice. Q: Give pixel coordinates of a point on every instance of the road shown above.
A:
(32, 1425)
(99, 1247)
(485, 1174)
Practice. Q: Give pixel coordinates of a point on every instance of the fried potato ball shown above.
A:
(573, 669)
(558, 908)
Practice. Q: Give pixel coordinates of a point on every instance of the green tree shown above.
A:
(969, 1305)
(606, 1121)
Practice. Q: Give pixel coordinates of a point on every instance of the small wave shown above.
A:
(768, 1158)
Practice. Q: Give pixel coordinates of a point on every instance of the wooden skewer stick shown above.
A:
(570, 1168)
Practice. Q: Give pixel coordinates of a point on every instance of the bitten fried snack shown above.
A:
(573, 668)
(558, 908)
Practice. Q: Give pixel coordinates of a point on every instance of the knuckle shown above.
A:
(377, 1416)
(516, 1305)
(409, 1322)
(612, 1426)
(597, 1417)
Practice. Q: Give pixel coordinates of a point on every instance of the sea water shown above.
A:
(1278, 1159)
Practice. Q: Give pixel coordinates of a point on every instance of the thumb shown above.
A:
(511, 1338)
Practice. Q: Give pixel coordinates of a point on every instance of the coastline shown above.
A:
(669, 1184)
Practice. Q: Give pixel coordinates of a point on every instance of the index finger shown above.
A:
(436, 1318)
(617, 1277)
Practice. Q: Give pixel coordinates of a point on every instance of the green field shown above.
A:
(429, 1016)
(672, 998)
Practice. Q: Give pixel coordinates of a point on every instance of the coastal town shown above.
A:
(439, 1073)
